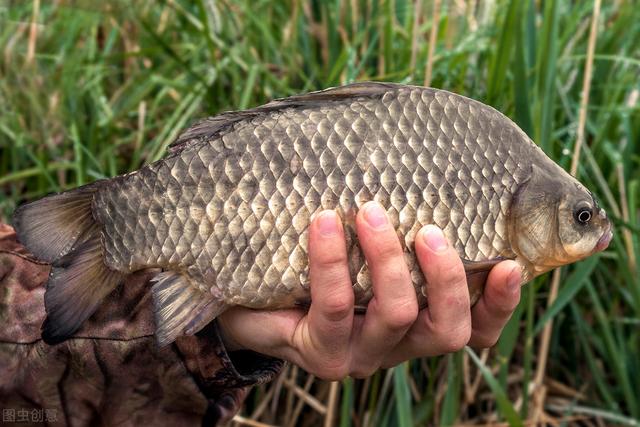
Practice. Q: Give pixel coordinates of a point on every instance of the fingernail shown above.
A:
(514, 280)
(374, 215)
(328, 223)
(434, 238)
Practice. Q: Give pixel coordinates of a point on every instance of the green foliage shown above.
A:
(94, 89)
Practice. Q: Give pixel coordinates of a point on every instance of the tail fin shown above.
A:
(60, 229)
(50, 226)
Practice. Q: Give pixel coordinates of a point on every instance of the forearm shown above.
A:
(112, 369)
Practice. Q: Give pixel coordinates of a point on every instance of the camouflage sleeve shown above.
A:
(111, 372)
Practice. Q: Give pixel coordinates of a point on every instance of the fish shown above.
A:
(225, 215)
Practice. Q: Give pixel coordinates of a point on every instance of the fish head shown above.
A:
(583, 226)
(554, 220)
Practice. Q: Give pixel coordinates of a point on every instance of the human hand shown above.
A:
(331, 342)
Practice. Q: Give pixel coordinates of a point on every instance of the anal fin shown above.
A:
(180, 307)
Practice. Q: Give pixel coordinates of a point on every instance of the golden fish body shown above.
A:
(226, 213)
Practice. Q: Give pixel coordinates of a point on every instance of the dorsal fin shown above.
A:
(213, 126)
(350, 91)
(207, 128)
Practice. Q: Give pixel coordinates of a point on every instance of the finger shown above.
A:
(494, 308)
(445, 325)
(327, 328)
(394, 306)
(446, 287)
(270, 331)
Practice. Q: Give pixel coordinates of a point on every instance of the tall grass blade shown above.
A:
(506, 408)
(402, 396)
(570, 287)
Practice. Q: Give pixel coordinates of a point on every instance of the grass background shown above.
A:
(93, 89)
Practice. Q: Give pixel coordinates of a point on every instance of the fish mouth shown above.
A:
(604, 240)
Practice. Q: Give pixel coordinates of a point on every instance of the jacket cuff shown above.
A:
(207, 359)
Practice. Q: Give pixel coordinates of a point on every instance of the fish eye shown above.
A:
(583, 215)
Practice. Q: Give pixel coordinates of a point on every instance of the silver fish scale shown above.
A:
(232, 211)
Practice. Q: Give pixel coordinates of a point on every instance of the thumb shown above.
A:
(266, 332)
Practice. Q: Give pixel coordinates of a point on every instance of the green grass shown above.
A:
(110, 85)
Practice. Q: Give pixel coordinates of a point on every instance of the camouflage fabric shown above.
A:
(111, 372)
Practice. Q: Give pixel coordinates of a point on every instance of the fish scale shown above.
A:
(226, 213)
(427, 156)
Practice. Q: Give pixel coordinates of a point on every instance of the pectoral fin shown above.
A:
(477, 273)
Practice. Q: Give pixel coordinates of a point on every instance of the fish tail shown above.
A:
(61, 230)
(50, 227)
